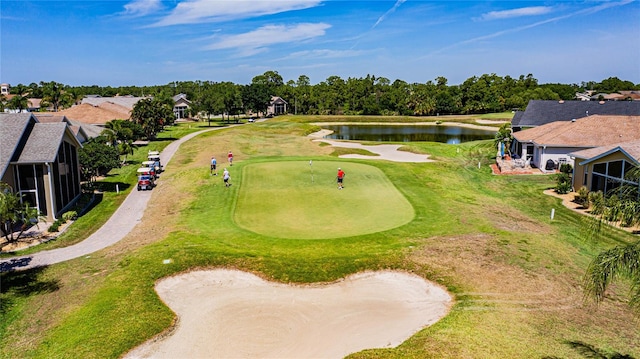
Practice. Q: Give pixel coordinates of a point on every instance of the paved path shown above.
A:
(117, 227)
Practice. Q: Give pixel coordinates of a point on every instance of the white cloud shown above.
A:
(142, 7)
(199, 11)
(508, 14)
(256, 41)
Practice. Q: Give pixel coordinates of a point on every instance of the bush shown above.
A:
(582, 198)
(563, 181)
(563, 188)
(597, 202)
(54, 226)
(566, 168)
(70, 216)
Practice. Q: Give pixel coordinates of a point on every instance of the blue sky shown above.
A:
(155, 42)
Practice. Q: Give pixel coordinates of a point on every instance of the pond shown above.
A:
(408, 133)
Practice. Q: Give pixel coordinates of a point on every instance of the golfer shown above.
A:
(230, 157)
(226, 177)
(214, 164)
(340, 177)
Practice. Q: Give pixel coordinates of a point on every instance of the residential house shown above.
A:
(40, 162)
(606, 168)
(181, 107)
(277, 106)
(555, 141)
(540, 112)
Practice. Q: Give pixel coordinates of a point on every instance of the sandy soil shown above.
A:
(233, 314)
(383, 152)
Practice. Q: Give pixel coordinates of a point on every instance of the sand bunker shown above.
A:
(383, 152)
(233, 314)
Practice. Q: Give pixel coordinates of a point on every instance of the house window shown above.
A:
(608, 176)
(529, 152)
(615, 169)
(30, 180)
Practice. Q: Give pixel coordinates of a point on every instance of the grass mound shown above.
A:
(279, 199)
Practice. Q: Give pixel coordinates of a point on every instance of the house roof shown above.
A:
(515, 121)
(95, 115)
(592, 131)
(540, 112)
(13, 126)
(124, 101)
(630, 149)
(43, 143)
(277, 99)
(23, 139)
(181, 99)
(82, 131)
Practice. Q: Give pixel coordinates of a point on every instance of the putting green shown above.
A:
(279, 199)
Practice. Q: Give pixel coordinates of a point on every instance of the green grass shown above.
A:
(486, 238)
(294, 199)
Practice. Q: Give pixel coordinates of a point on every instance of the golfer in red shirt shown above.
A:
(341, 175)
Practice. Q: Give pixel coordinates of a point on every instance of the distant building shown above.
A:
(181, 107)
(277, 106)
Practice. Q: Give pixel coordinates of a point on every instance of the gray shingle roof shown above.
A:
(540, 112)
(43, 142)
(12, 128)
(517, 117)
(124, 101)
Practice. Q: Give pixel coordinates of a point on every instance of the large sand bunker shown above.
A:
(233, 314)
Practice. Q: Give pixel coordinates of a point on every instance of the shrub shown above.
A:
(566, 168)
(597, 202)
(612, 208)
(54, 226)
(563, 188)
(629, 212)
(70, 216)
(582, 198)
(563, 181)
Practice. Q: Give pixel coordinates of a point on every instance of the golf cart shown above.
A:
(156, 158)
(146, 178)
(145, 182)
(154, 165)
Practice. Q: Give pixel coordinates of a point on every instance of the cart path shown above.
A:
(117, 227)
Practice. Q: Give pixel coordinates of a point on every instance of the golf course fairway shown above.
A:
(300, 200)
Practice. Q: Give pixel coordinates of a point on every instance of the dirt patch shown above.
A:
(513, 220)
(480, 264)
(32, 237)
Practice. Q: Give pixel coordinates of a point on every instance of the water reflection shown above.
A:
(408, 133)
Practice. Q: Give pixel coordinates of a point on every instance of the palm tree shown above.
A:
(19, 103)
(622, 261)
(125, 148)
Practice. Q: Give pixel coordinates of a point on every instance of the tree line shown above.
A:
(368, 95)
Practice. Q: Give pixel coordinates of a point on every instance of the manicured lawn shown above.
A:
(515, 273)
(295, 199)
